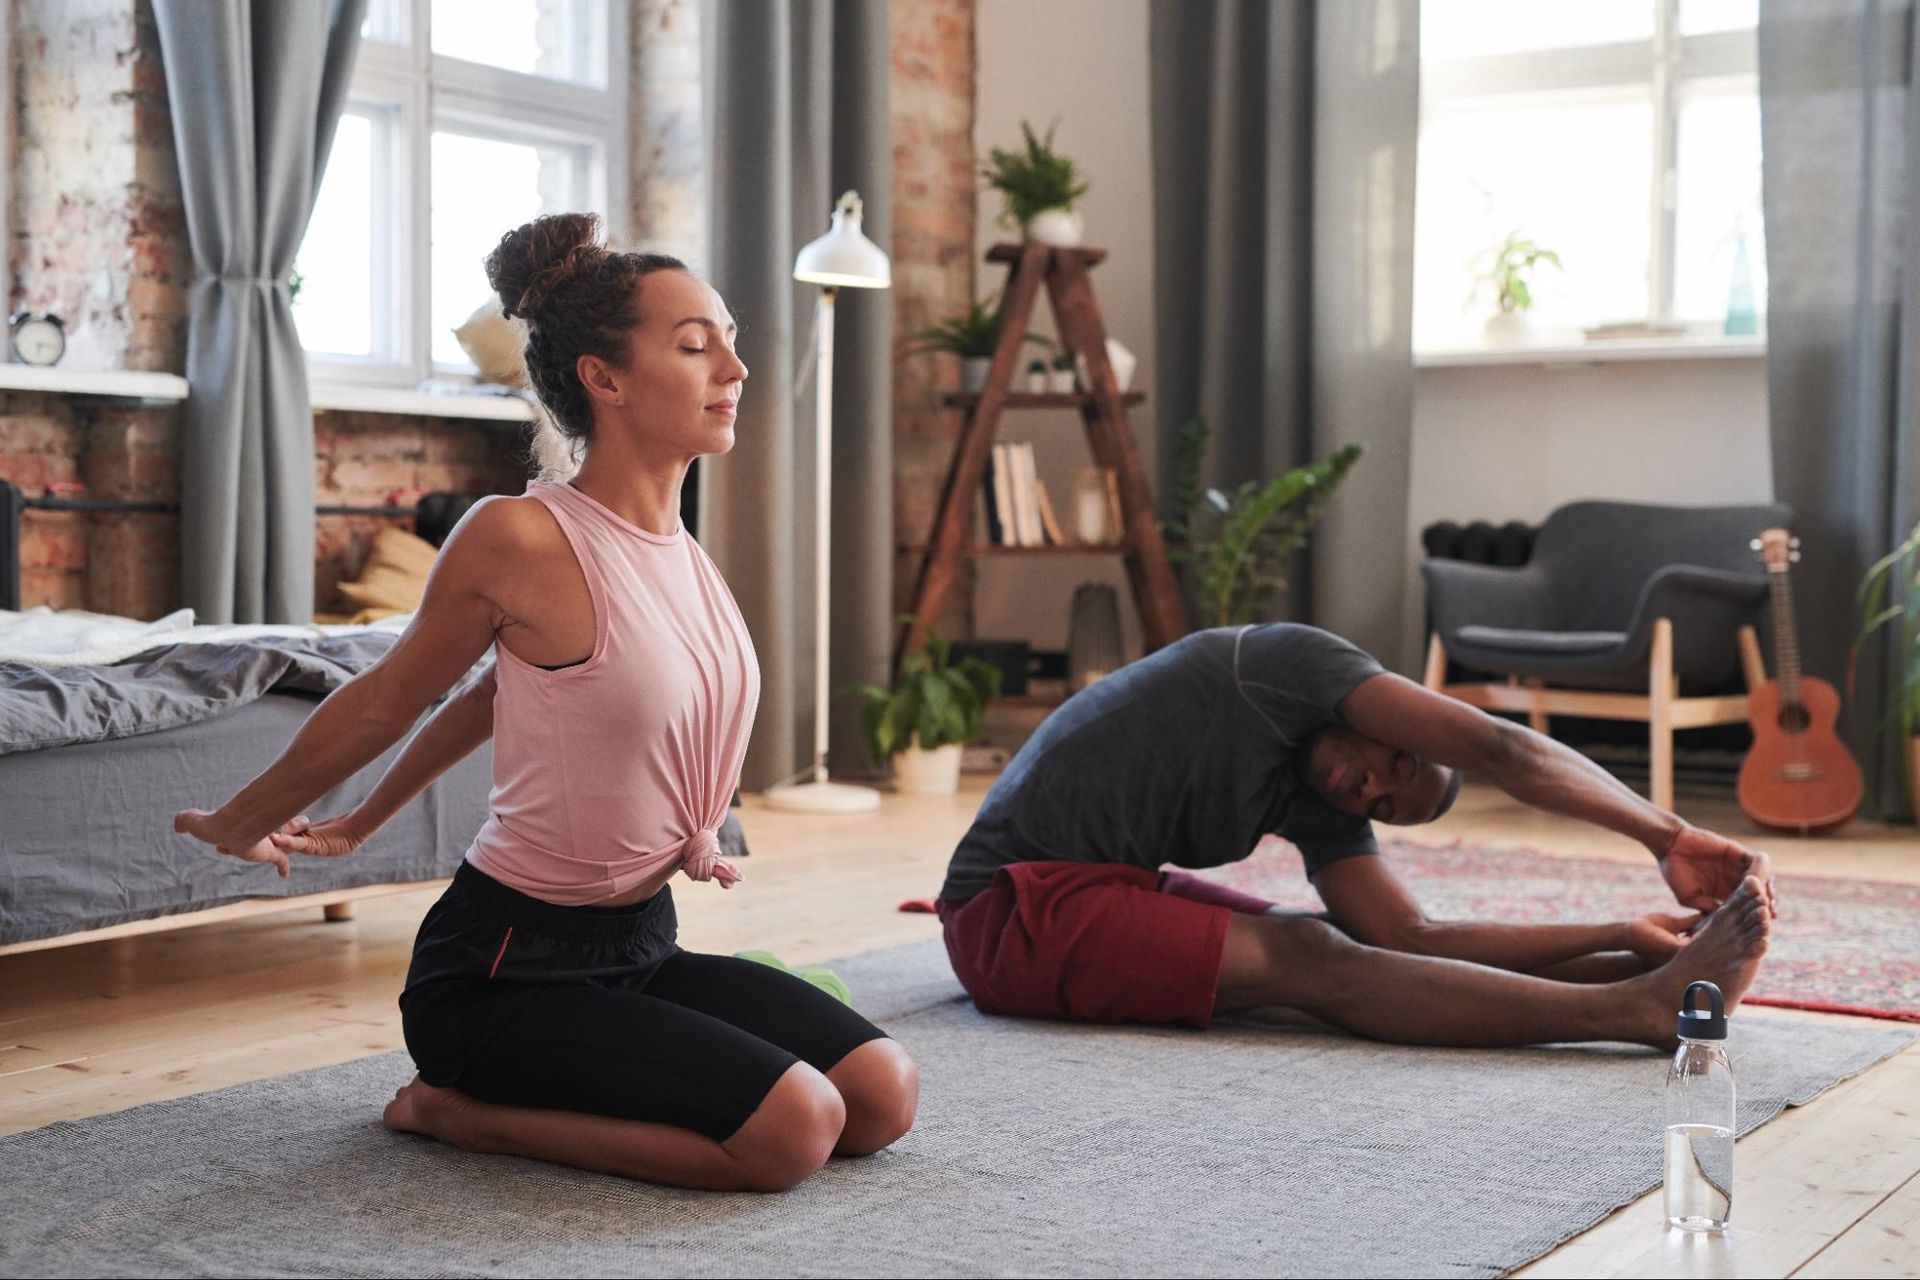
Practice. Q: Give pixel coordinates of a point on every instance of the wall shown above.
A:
(1083, 62)
(933, 117)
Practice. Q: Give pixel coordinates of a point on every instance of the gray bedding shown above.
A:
(165, 688)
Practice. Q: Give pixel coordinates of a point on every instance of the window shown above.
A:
(465, 118)
(1624, 136)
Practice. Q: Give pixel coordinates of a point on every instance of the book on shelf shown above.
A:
(1049, 519)
(1026, 509)
(1003, 498)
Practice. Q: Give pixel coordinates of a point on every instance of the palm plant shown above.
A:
(1238, 545)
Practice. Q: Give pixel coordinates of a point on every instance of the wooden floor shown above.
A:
(1832, 1189)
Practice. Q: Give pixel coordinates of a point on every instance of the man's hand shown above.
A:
(328, 838)
(1704, 869)
(218, 832)
(1658, 936)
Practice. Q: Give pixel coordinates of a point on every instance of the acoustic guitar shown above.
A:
(1799, 776)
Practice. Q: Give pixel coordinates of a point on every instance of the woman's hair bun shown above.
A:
(535, 259)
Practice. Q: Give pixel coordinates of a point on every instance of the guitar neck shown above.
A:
(1786, 642)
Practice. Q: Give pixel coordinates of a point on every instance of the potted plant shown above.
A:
(1061, 379)
(1039, 186)
(973, 336)
(934, 707)
(1238, 546)
(1036, 376)
(1505, 271)
(1890, 597)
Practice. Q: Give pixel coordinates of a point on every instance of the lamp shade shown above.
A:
(844, 256)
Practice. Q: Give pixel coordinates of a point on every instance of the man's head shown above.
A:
(1366, 777)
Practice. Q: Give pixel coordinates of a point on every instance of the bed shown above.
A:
(109, 726)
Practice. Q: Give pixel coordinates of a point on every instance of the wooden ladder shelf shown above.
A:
(1103, 411)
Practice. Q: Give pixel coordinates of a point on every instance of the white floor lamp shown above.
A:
(843, 257)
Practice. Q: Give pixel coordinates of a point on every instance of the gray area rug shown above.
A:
(1041, 1149)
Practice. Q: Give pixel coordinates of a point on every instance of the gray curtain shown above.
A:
(1842, 154)
(1283, 150)
(796, 114)
(255, 88)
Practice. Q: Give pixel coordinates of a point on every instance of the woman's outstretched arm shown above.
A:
(450, 735)
(367, 715)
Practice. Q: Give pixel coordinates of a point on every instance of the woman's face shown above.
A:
(683, 378)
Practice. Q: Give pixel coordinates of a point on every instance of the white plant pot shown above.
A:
(1061, 227)
(973, 373)
(1060, 381)
(1036, 381)
(928, 773)
(1122, 361)
(1508, 326)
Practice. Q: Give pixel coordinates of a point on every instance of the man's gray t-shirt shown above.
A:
(1188, 757)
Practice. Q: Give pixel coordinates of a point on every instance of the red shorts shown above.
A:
(1094, 942)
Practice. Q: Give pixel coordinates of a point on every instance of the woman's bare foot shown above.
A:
(1726, 951)
(419, 1107)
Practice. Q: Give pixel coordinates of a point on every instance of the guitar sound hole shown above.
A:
(1793, 719)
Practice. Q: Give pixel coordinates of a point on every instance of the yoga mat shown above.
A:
(1840, 946)
(1042, 1148)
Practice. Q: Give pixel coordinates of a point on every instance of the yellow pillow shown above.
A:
(395, 575)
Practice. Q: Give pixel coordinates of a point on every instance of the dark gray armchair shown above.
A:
(1617, 597)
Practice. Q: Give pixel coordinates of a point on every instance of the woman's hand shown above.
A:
(1658, 936)
(1704, 869)
(218, 832)
(328, 838)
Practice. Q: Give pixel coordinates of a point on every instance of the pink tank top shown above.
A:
(606, 772)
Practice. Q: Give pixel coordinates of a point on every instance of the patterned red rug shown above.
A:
(1840, 946)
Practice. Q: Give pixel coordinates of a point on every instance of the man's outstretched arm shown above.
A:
(1702, 868)
(1370, 904)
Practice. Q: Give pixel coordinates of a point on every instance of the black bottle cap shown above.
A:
(1703, 1024)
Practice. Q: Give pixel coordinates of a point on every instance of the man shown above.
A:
(1055, 904)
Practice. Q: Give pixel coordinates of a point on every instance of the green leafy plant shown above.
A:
(1506, 268)
(1033, 178)
(1890, 598)
(934, 701)
(972, 335)
(1237, 546)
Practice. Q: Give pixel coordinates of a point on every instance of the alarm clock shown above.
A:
(38, 339)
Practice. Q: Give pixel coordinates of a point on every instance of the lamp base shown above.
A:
(822, 797)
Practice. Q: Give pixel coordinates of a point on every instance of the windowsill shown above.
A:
(346, 398)
(1559, 349)
(118, 384)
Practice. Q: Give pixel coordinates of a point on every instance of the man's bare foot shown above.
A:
(419, 1107)
(1725, 951)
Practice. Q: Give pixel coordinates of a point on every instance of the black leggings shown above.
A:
(596, 1009)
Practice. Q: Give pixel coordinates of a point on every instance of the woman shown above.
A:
(548, 1008)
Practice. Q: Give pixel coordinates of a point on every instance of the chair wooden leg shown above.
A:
(1536, 715)
(1751, 663)
(1436, 674)
(1660, 713)
(337, 911)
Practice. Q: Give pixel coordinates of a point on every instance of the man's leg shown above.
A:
(1311, 966)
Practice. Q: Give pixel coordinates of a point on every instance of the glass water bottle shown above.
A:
(1699, 1164)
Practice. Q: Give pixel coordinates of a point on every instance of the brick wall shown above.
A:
(933, 263)
(370, 460)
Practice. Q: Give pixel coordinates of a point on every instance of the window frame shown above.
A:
(1666, 62)
(420, 91)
